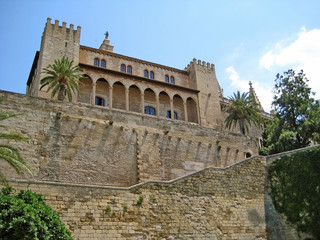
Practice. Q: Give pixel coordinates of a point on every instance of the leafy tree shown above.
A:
(11, 154)
(294, 183)
(297, 119)
(26, 216)
(62, 78)
(242, 111)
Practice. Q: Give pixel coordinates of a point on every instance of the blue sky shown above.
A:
(247, 40)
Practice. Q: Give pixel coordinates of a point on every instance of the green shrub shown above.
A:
(125, 209)
(140, 201)
(26, 216)
(107, 210)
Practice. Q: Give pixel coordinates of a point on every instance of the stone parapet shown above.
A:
(214, 203)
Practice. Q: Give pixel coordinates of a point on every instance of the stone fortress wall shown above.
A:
(79, 143)
(93, 165)
(214, 203)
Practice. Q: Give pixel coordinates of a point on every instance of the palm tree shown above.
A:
(62, 78)
(10, 154)
(242, 111)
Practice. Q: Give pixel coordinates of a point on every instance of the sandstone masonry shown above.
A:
(76, 143)
(115, 175)
(210, 204)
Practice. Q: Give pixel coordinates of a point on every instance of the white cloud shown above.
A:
(264, 94)
(303, 53)
(236, 81)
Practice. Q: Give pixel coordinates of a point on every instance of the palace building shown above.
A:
(142, 152)
(191, 98)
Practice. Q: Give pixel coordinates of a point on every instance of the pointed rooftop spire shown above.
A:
(254, 96)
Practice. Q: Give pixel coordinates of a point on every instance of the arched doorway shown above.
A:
(134, 99)
(119, 96)
(85, 90)
(178, 107)
(149, 101)
(102, 92)
(164, 104)
(192, 110)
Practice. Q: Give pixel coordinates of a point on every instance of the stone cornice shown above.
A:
(133, 59)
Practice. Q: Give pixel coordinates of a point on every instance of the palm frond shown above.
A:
(242, 111)
(5, 115)
(3, 179)
(12, 156)
(62, 73)
(13, 136)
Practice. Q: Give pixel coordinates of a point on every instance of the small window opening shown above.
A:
(129, 69)
(175, 115)
(96, 62)
(146, 74)
(152, 75)
(99, 101)
(150, 110)
(103, 63)
(172, 80)
(123, 68)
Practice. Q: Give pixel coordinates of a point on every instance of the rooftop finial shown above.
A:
(106, 34)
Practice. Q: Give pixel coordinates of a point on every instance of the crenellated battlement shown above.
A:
(56, 42)
(199, 63)
(63, 32)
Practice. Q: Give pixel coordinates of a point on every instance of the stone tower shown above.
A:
(204, 78)
(56, 42)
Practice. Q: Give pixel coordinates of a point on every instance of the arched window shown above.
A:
(175, 114)
(152, 75)
(103, 63)
(99, 101)
(129, 69)
(150, 110)
(172, 79)
(166, 78)
(248, 155)
(123, 68)
(146, 74)
(96, 62)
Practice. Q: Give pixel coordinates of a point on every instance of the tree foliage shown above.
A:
(243, 112)
(11, 154)
(297, 119)
(62, 78)
(26, 216)
(295, 189)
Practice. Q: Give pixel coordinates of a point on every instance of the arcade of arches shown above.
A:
(135, 99)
